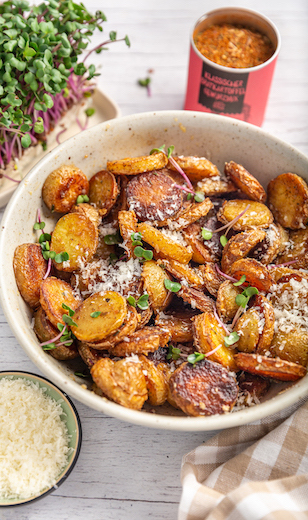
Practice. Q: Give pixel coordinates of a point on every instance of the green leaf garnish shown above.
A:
(157, 150)
(68, 320)
(67, 308)
(61, 257)
(173, 353)
(241, 300)
(50, 346)
(231, 339)
(170, 151)
(82, 198)
(39, 225)
(223, 240)
(189, 196)
(172, 286)
(95, 314)
(45, 237)
(136, 239)
(144, 82)
(240, 281)
(250, 291)
(194, 358)
(143, 302)
(90, 111)
(80, 374)
(140, 252)
(199, 196)
(206, 234)
(132, 301)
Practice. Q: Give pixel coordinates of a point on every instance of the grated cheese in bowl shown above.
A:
(35, 440)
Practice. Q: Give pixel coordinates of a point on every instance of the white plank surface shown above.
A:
(124, 471)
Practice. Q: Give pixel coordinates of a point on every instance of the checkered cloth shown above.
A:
(252, 472)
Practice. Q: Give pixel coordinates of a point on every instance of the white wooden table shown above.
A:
(124, 471)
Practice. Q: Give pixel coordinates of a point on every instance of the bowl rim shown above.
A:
(142, 418)
(69, 468)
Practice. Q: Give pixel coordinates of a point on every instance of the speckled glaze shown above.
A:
(218, 138)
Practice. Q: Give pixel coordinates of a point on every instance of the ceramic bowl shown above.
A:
(72, 422)
(218, 138)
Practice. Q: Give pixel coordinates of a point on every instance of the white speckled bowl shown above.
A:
(193, 133)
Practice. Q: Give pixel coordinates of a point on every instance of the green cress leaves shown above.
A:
(240, 281)
(67, 337)
(231, 339)
(142, 302)
(173, 353)
(95, 314)
(39, 50)
(172, 286)
(140, 252)
(242, 299)
(136, 239)
(82, 198)
(194, 358)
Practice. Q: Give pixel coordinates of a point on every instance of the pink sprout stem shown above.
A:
(283, 265)
(53, 340)
(183, 188)
(179, 169)
(232, 222)
(48, 269)
(213, 351)
(9, 178)
(221, 322)
(239, 311)
(224, 275)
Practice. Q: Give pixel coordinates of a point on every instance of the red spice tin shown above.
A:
(241, 93)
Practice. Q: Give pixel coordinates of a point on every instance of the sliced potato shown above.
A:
(297, 250)
(215, 187)
(225, 303)
(196, 168)
(291, 346)
(248, 329)
(112, 309)
(211, 279)
(246, 182)
(121, 202)
(269, 248)
(205, 388)
(142, 341)
(128, 226)
(134, 165)
(129, 325)
(89, 355)
(257, 215)
(197, 299)
(45, 331)
(53, 294)
(153, 278)
(163, 244)
(154, 196)
(239, 246)
(29, 269)
(275, 368)
(103, 191)
(288, 200)
(257, 275)
(155, 380)
(122, 381)
(63, 186)
(203, 251)
(193, 213)
(77, 236)
(88, 211)
(182, 272)
(144, 317)
(208, 336)
(179, 325)
(267, 314)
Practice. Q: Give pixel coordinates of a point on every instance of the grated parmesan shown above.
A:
(33, 439)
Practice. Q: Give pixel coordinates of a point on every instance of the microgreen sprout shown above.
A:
(81, 374)
(207, 233)
(145, 83)
(189, 196)
(195, 357)
(140, 252)
(39, 225)
(240, 281)
(71, 312)
(136, 239)
(199, 196)
(68, 320)
(95, 314)
(82, 198)
(173, 353)
(223, 240)
(172, 286)
(90, 111)
(142, 302)
(231, 339)
(243, 298)
(176, 166)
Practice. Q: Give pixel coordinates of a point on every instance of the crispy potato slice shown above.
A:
(45, 331)
(129, 325)
(266, 311)
(89, 355)
(253, 386)
(155, 380)
(225, 303)
(208, 335)
(211, 279)
(257, 215)
(182, 272)
(278, 272)
(203, 251)
(153, 278)
(268, 249)
(179, 325)
(77, 236)
(121, 202)
(291, 346)
(29, 269)
(239, 246)
(128, 226)
(113, 310)
(63, 186)
(163, 244)
(297, 250)
(215, 187)
(257, 275)
(193, 213)
(103, 191)
(122, 381)
(142, 341)
(248, 329)
(275, 368)
(197, 299)
(134, 165)
(144, 317)
(154, 196)
(196, 168)
(88, 211)
(206, 388)
(53, 293)
(284, 238)
(288, 200)
(246, 182)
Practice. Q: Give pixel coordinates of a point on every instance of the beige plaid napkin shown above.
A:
(252, 472)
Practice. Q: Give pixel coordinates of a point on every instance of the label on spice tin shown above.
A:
(222, 91)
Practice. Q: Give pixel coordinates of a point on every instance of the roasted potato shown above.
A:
(89, 355)
(267, 324)
(239, 246)
(205, 388)
(55, 293)
(29, 269)
(134, 165)
(179, 325)
(256, 273)
(291, 346)
(99, 316)
(269, 247)
(156, 381)
(88, 211)
(216, 186)
(142, 341)
(253, 386)
(163, 244)
(193, 213)
(246, 182)
(297, 250)
(128, 226)
(211, 279)
(153, 278)
(77, 236)
(182, 272)
(196, 299)
(225, 302)
(275, 368)
(63, 186)
(203, 251)
(196, 168)
(249, 330)
(257, 214)
(288, 200)
(103, 191)
(154, 196)
(122, 381)
(128, 327)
